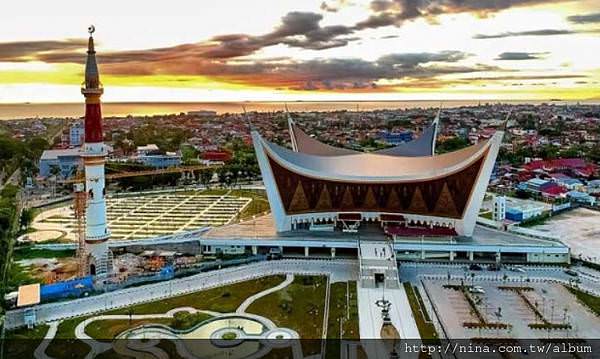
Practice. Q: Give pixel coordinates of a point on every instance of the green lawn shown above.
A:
(222, 299)
(339, 310)
(258, 206)
(298, 306)
(343, 306)
(426, 328)
(21, 343)
(31, 253)
(108, 329)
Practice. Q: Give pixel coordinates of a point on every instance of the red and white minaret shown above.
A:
(94, 153)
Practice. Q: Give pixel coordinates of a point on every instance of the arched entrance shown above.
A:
(92, 269)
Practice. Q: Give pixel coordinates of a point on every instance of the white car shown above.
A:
(477, 289)
(518, 269)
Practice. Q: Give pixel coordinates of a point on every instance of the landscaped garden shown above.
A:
(299, 306)
(221, 299)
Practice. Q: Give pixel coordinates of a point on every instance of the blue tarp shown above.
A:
(71, 288)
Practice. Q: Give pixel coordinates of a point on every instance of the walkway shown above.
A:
(40, 351)
(340, 269)
(99, 347)
(289, 278)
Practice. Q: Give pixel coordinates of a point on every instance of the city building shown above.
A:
(572, 184)
(170, 159)
(216, 156)
(408, 195)
(63, 163)
(581, 197)
(593, 186)
(499, 208)
(76, 134)
(148, 149)
(520, 210)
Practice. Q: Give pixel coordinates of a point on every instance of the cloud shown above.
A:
(527, 77)
(521, 56)
(296, 29)
(333, 6)
(543, 32)
(316, 74)
(396, 12)
(585, 19)
(24, 50)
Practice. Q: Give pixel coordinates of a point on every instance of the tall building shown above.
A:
(499, 213)
(76, 134)
(94, 154)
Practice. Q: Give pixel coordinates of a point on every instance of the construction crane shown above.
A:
(79, 205)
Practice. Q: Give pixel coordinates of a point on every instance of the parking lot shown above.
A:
(497, 304)
(152, 215)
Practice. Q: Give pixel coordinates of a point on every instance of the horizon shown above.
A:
(335, 50)
(24, 111)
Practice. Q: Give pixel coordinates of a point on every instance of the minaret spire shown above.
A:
(92, 77)
(94, 155)
(92, 90)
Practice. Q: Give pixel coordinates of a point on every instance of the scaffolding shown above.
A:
(79, 205)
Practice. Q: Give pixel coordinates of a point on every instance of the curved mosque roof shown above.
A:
(376, 167)
(422, 146)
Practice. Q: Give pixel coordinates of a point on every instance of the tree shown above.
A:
(452, 144)
(205, 177)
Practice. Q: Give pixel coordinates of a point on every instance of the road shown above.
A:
(338, 270)
(589, 279)
(13, 179)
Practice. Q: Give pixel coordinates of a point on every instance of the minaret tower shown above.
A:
(99, 260)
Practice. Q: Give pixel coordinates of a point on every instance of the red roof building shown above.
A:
(222, 156)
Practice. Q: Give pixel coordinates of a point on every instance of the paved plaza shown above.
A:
(151, 215)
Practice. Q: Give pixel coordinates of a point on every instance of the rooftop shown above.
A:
(366, 167)
(54, 154)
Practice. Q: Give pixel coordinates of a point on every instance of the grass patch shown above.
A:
(229, 336)
(424, 324)
(591, 301)
(299, 306)
(32, 253)
(186, 320)
(343, 306)
(257, 206)
(221, 299)
(64, 344)
(108, 329)
(21, 343)
(486, 215)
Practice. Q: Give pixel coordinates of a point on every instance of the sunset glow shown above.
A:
(311, 50)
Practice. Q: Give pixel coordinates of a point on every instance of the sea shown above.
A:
(76, 110)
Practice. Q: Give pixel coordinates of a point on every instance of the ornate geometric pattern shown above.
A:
(441, 197)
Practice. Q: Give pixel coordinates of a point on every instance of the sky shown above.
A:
(289, 50)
